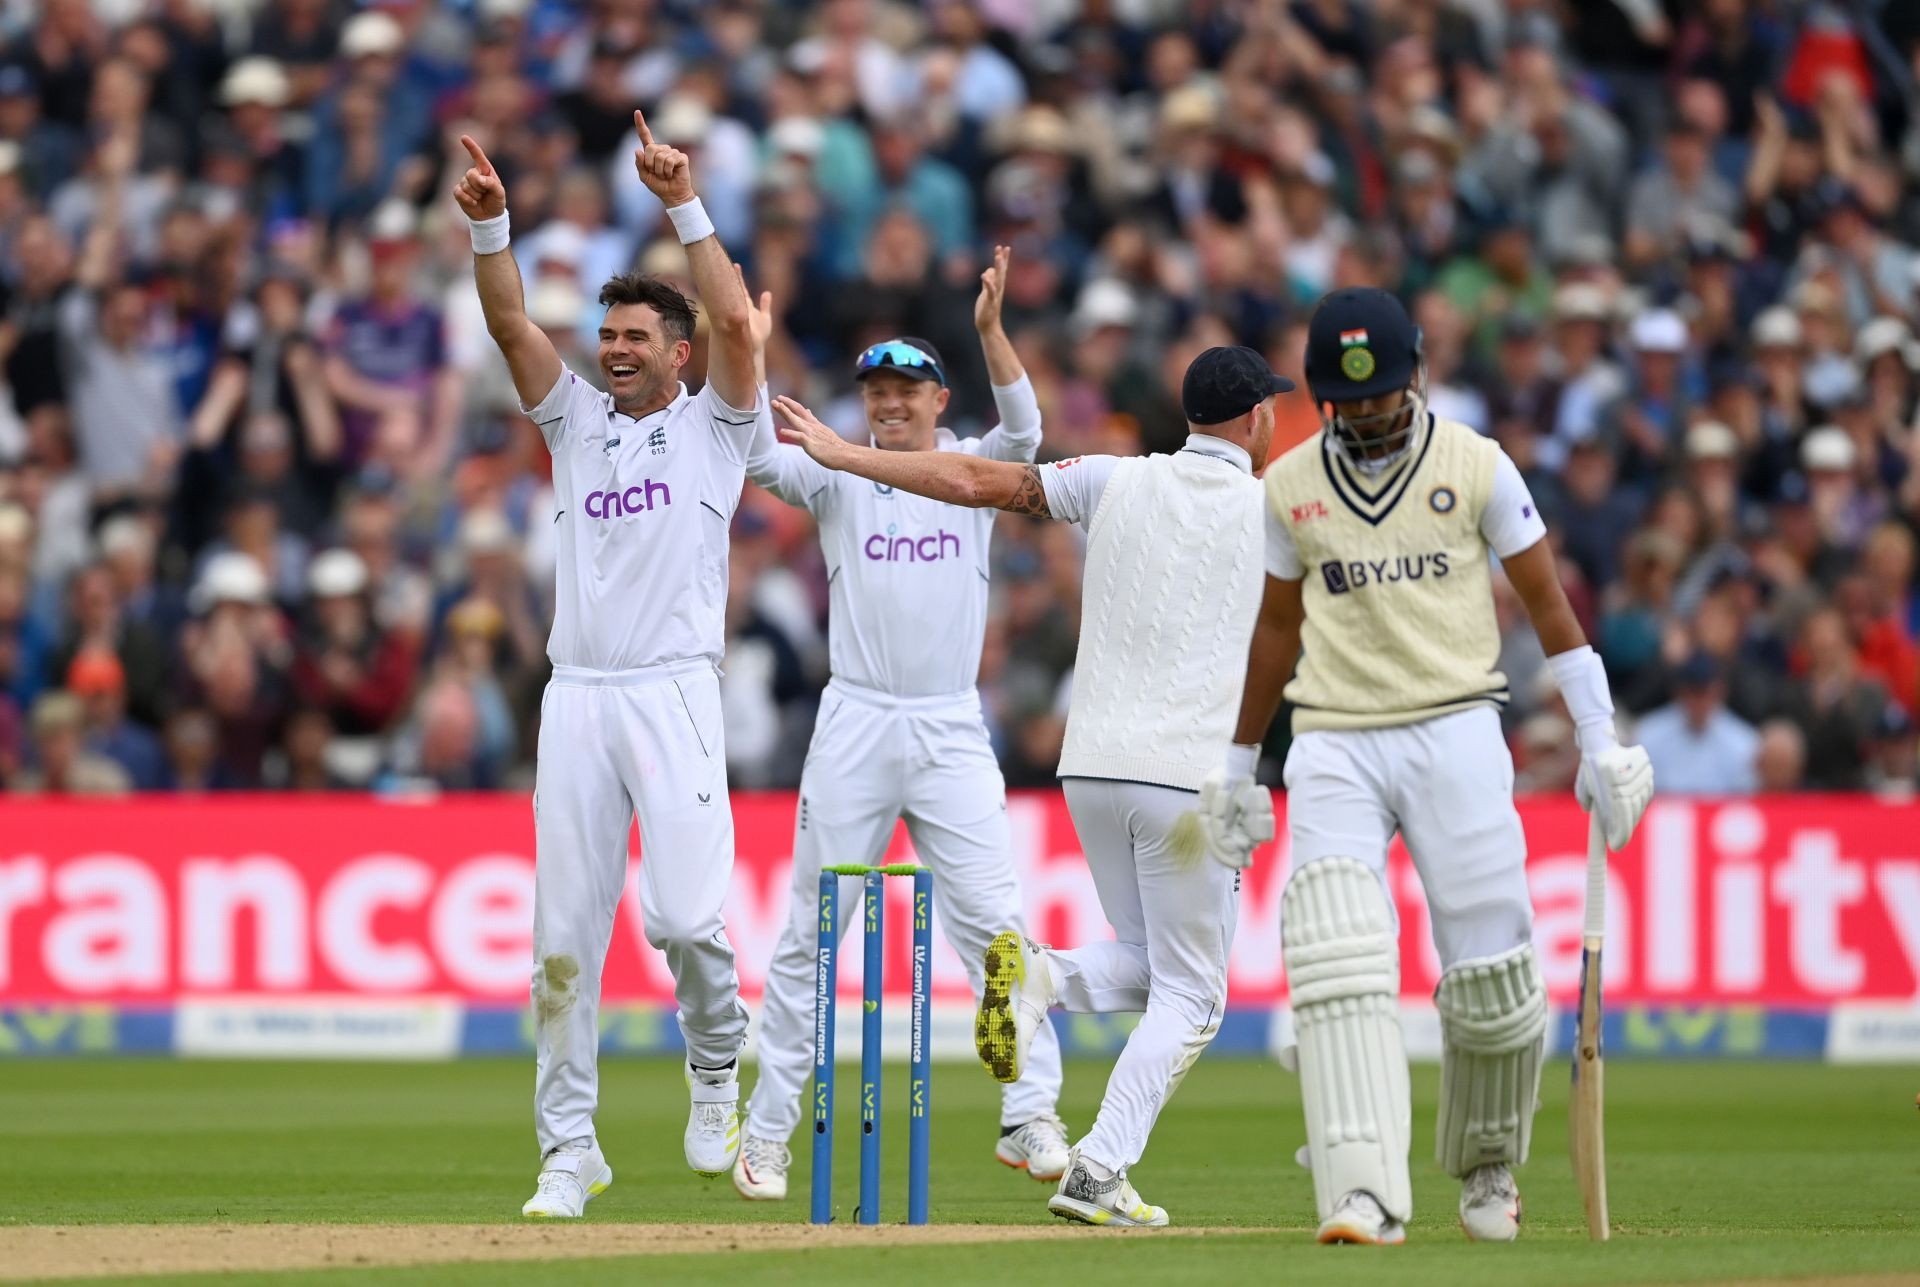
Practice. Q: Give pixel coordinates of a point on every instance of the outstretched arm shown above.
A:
(668, 174)
(949, 476)
(781, 469)
(530, 354)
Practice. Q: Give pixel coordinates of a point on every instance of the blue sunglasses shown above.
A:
(899, 353)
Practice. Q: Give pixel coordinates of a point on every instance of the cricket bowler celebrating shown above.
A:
(1380, 588)
(1171, 590)
(646, 477)
(899, 733)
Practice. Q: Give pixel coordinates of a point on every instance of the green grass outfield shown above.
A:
(1720, 1172)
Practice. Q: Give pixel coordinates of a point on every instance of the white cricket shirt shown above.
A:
(907, 576)
(641, 534)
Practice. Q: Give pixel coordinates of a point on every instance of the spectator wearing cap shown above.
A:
(346, 666)
(491, 570)
(373, 47)
(1889, 361)
(61, 763)
(1193, 184)
(235, 656)
(1873, 271)
(1651, 416)
(48, 149)
(95, 677)
(1834, 704)
(1589, 513)
(1843, 510)
(1698, 746)
(387, 361)
(1590, 381)
(1893, 767)
(250, 150)
(98, 624)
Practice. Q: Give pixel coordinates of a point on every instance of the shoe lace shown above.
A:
(713, 1117)
(1490, 1183)
(1044, 1129)
(558, 1184)
(766, 1155)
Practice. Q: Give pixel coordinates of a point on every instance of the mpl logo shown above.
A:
(638, 499)
(889, 548)
(1311, 510)
(1356, 574)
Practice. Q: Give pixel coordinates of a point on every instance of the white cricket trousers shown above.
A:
(1173, 911)
(876, 759)
(613, 744)
(1446, 785)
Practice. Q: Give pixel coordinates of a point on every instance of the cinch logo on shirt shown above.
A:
(1357, 574)
(907, 549)
(634, 500)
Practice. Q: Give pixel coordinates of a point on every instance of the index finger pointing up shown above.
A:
(640, 125)
(473, 150)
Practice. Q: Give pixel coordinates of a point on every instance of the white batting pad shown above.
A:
(1493, 1023)
(1343, 975)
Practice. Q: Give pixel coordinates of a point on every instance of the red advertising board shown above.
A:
(1784, 902)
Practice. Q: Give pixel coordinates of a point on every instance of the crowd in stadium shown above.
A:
(270, 515)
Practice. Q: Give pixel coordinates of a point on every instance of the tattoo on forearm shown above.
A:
(1030, 497)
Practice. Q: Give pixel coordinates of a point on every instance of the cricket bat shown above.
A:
(1586, 1133)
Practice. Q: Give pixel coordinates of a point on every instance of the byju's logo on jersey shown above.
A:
(1357, 574)
(888, 547)
(634, 500)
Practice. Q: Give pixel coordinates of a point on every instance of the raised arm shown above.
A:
(781, 469)
(1017, 437)
(668, 174)
(530, 355)
(949, 476)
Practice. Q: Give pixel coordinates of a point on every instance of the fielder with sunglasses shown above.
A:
(899, 734)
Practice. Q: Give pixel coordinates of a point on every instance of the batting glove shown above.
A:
(1236, 815)
(1615, 785)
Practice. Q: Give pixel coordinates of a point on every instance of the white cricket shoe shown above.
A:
(1038, 1147)
(1359, 1218)
(713, 1124)
(760, 1172)
(1014, 1001)
(1490, 1204)
(571, 1176)
(1093, 1199)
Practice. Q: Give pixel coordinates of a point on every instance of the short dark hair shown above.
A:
(676, 310)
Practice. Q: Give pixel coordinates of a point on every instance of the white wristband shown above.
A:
(489, 235)
(1242, 760)
(691, 222)
(1583, 683)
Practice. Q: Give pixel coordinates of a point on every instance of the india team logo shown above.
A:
(1442, 499)
(1356, 359)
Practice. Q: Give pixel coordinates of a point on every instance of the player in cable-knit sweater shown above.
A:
(1176, 552)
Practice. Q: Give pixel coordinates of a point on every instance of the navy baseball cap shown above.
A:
(1224, 383)
(1360, 344)
(907, 355)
